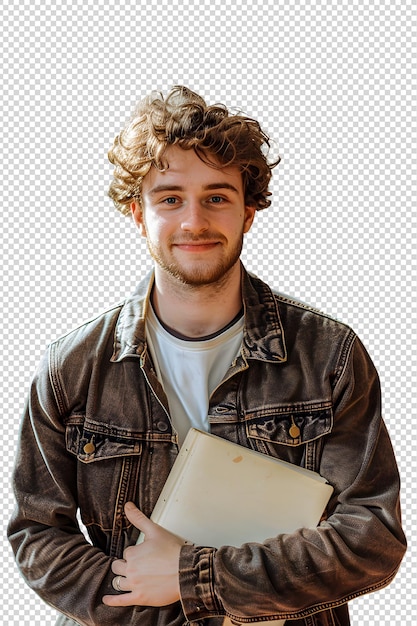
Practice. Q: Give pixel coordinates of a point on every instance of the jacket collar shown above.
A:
(263, 335)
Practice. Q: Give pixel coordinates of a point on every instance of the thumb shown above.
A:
(138, 519)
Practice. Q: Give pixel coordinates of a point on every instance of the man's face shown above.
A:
(194, 218)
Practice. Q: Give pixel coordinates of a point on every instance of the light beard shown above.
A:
(203, 273)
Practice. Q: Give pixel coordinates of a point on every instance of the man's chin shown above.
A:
(199, 279)
(200, 276)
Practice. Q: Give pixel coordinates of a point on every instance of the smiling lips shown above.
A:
(196, 246)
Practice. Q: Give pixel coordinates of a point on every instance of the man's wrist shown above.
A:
(196, 576)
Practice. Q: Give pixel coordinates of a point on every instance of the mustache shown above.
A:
(209, 237)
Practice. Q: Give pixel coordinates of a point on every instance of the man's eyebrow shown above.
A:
(161, 188)
(221, 185)
(167, 187)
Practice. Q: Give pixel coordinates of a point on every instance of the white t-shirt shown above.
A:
(190, 371)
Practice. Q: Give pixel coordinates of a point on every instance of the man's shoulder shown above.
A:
(129, 309)
(104, 319)
(315, 322)
(289, 306)
(90, 337)
(285, 300)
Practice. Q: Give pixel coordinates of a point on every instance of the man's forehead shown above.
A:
(184, 166)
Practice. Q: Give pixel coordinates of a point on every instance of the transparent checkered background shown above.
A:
(332, 82)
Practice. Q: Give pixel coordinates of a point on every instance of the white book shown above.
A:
(219, 493)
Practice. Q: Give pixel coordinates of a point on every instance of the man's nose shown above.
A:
(195, 217)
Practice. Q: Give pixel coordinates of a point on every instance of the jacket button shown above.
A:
(294, 431)
(162, 426)
(89, 448)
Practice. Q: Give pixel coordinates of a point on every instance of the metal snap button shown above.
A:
(89, 448)
(294, 430)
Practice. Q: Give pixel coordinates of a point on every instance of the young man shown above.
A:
(200, 343)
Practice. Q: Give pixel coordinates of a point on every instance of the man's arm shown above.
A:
(359, 547)
(52, 553)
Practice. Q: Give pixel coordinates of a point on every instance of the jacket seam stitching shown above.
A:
(54, 380)
(345, 351)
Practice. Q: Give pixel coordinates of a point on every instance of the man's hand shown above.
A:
(148, 571)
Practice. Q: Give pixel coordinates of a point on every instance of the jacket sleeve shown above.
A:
(357, 549)
(51, 552)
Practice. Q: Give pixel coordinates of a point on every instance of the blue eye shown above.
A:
(216, 199)
(170, 200)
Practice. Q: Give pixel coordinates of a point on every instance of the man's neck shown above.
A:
(197, 311)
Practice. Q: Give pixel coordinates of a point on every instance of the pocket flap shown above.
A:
(291, 426)
(91, 440)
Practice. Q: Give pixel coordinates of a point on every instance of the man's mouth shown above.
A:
(196, 246)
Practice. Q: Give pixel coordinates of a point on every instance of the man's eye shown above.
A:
(170, 200)
(216, 199)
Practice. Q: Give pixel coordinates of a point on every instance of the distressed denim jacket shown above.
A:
(97, 432)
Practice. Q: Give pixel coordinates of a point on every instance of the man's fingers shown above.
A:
(123, 599)
(138, 519)
(148, 573)
(119, 567)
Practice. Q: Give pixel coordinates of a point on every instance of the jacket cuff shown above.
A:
(196, 575)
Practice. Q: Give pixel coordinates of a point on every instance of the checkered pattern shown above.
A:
(332, 82)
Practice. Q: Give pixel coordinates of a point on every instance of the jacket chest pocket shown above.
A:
(109, 460)
(291, 432)
(91, 440)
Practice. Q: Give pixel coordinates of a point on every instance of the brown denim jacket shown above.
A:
(97, 432)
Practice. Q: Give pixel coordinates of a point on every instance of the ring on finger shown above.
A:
(116, 583)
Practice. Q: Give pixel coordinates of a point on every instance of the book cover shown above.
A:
(220, 493)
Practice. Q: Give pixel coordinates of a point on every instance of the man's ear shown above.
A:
(249, 217)
(137, 215)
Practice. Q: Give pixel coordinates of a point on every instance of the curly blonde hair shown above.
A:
(182, 118)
